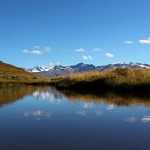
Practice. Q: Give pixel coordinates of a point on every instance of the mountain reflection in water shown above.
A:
(36, 117)
(90, 98)
(11, 94)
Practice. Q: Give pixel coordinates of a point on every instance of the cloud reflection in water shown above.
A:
(98, 113)
(87, 105)
(38, 114)
(110, 107)
(81, 113)
(145, 119)
(48, 94)
(131, 119)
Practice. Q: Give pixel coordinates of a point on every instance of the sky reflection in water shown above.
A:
(43, 118)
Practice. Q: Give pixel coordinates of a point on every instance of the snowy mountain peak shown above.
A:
(60, 70)
(39, 69)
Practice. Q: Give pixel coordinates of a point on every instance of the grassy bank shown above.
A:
(122, 79)
(116, 79)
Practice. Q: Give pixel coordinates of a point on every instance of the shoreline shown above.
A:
(120, 79)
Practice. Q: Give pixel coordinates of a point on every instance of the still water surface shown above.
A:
(41, 118)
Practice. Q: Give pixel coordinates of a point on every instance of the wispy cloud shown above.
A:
(47, 49)
(80, 50)
(88, 57)
(128, 42)
(109, 55)
(36, 52)
(146, 41)
(96, 49)
(36, 46)
(51, 64)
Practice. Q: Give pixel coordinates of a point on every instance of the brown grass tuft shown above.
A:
(120, 77)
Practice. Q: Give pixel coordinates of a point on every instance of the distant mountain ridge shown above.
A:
(59, 70)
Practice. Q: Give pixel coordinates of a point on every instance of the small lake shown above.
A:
(42, 118)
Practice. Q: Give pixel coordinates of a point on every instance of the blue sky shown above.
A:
(67, 32)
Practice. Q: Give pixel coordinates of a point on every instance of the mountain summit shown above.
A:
(81, 67)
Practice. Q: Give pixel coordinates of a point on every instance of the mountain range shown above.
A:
(59, 70)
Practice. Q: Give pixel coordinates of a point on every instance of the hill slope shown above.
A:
(12, 74)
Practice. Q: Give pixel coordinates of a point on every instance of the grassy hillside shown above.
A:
(120, 78)
(12, 74)
(116, 79)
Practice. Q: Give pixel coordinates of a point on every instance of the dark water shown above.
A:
(41, 118)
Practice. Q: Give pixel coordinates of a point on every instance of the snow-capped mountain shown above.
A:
(81, 67)
(39, 69)
(123, 65)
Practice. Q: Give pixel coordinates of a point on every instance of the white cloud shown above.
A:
(36, 46)
(109, 55)
(50, 64)
(80, 50)
(147, 41)
(128, 42)
(47, 49)
(88, 57)
(36, 52)
(96, 49)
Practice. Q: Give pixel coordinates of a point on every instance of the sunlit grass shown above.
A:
(120, 77)
(10, 75)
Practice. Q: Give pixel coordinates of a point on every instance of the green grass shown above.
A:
(120, 79)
